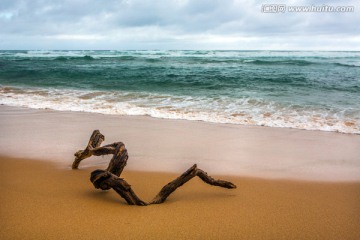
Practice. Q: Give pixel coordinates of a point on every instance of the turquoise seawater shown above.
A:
(304, 90)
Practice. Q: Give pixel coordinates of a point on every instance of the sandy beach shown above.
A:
(291, 184)
(40, 201)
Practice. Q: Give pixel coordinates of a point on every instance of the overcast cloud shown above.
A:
(175, 24)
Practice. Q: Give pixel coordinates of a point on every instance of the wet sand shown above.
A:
(170, 145)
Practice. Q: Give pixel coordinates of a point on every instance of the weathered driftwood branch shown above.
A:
(120, 156)
(185, 177)
(109, 178)
(95, 140)
(105, 180)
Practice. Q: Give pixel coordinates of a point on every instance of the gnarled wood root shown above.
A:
(110, 178)
(105, 180)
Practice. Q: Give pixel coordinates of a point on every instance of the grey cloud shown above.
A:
(151, 22)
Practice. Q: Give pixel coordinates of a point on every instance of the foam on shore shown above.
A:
(245, 111)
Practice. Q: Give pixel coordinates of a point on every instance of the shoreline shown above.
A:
(147, 117)
(163, 145)
(41, 201)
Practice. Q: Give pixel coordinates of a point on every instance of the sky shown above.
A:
(176, 24)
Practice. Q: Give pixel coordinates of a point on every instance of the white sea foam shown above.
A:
(247, 111)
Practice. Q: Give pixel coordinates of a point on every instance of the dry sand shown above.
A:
(41, 201)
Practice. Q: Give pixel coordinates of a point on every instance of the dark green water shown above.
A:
(306, 90)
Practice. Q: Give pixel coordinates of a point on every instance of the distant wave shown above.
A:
(348, 64)
(86, 57)
(184, 59)
(186, 53)
(281, 62)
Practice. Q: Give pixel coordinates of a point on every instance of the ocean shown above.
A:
(291, 89)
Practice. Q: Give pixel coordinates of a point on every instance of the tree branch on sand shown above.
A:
(110, 178)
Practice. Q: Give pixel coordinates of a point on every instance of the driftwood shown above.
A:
(110, 178)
